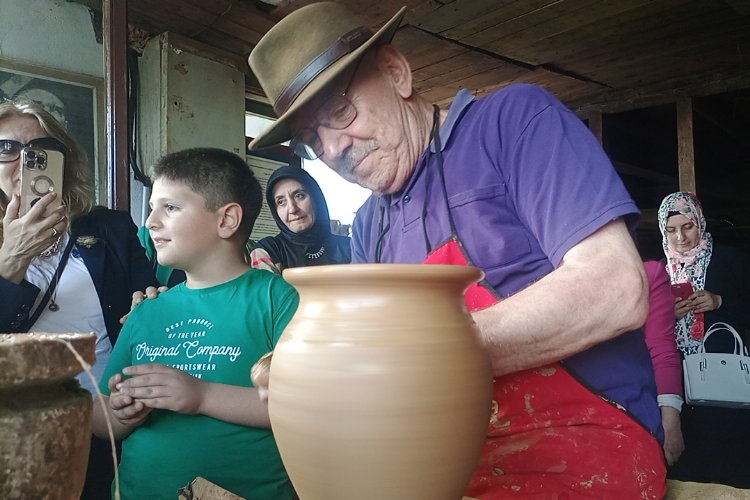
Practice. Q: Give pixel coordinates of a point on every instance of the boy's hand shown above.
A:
(127, 410)
(151, 293)
(260, 373)
(160, 386)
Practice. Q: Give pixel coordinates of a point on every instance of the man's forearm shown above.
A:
(597, 293)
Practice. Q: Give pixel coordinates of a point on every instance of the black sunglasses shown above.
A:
(10, 150)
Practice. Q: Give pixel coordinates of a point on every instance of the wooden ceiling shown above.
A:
(621, 62)
(592, 54)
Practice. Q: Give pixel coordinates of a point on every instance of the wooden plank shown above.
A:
(613, 34)
(468, 64)
(458, 13)
(471, 77)
(685, 148)
(692, 24)
(678, 59)
(498, 16)
(422, 49)
(192, 21)
(535, 23)
(515, 45)
(234, 18)
(615, 101)
(641, 172)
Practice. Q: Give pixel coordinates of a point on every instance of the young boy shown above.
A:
(178, 390)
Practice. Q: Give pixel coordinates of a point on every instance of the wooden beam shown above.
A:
(685, 149)
(664, 92)
(641, 172)
(116, 82)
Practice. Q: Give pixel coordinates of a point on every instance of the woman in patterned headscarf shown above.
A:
(715, 438)
(688, 248)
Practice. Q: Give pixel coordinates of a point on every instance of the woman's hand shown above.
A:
(26, 237)
(704, 301)
(682, 307)
(674, 444)
(151, 293)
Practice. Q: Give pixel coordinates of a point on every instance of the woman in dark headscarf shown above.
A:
(301, 213)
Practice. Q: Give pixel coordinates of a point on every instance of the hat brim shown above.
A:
(279, 131)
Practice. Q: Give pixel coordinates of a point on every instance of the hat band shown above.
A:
(343, 45)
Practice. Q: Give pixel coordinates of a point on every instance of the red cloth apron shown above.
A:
(551, 438)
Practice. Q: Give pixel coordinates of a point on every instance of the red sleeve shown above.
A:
(659, 331)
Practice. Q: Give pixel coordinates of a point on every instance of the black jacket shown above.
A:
(116, 262)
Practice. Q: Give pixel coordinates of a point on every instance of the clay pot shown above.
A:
(379, 388)
(44, 416)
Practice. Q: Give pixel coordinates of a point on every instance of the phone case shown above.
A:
(41, 173)
(682, 290)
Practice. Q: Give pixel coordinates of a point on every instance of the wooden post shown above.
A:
(115, 20)
(595, 125)
(685, 149)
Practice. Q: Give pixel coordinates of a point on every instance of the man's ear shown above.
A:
(230, 220)
(394, 64)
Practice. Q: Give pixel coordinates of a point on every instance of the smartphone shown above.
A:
(682, 290)
(41, 173)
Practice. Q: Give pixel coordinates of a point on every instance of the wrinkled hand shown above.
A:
(37, 230)
(259, 374)
(130, 412)
(674, 444)
(703, 301)
(160, 386)
(151, 293)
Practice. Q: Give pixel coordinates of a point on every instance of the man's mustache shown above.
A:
(351, 157)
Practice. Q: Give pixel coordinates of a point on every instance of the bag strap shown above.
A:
(53, 283)
(739, 347)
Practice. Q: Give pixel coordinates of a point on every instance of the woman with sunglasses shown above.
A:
(65, 265)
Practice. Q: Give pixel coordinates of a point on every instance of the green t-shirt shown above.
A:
(215, 334)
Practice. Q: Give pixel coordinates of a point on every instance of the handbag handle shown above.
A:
(739, 346)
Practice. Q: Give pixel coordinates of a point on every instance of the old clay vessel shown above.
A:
(379, 388)
(44, 416)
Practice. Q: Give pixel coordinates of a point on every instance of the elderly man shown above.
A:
(514, 184)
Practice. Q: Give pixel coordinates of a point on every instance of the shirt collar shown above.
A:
(456, 109)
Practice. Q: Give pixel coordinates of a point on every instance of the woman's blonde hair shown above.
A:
(78, 189)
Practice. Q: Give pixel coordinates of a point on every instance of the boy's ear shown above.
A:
(231, 218)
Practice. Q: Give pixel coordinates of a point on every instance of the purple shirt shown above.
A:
(525, 181)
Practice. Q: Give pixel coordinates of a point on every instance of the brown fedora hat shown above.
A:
(304, 52)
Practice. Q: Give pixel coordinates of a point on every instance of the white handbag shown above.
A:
(718, 379)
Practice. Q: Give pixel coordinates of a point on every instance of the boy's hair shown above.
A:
(219, 176)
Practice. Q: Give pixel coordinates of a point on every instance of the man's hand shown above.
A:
(151, 293)
(160, 386)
